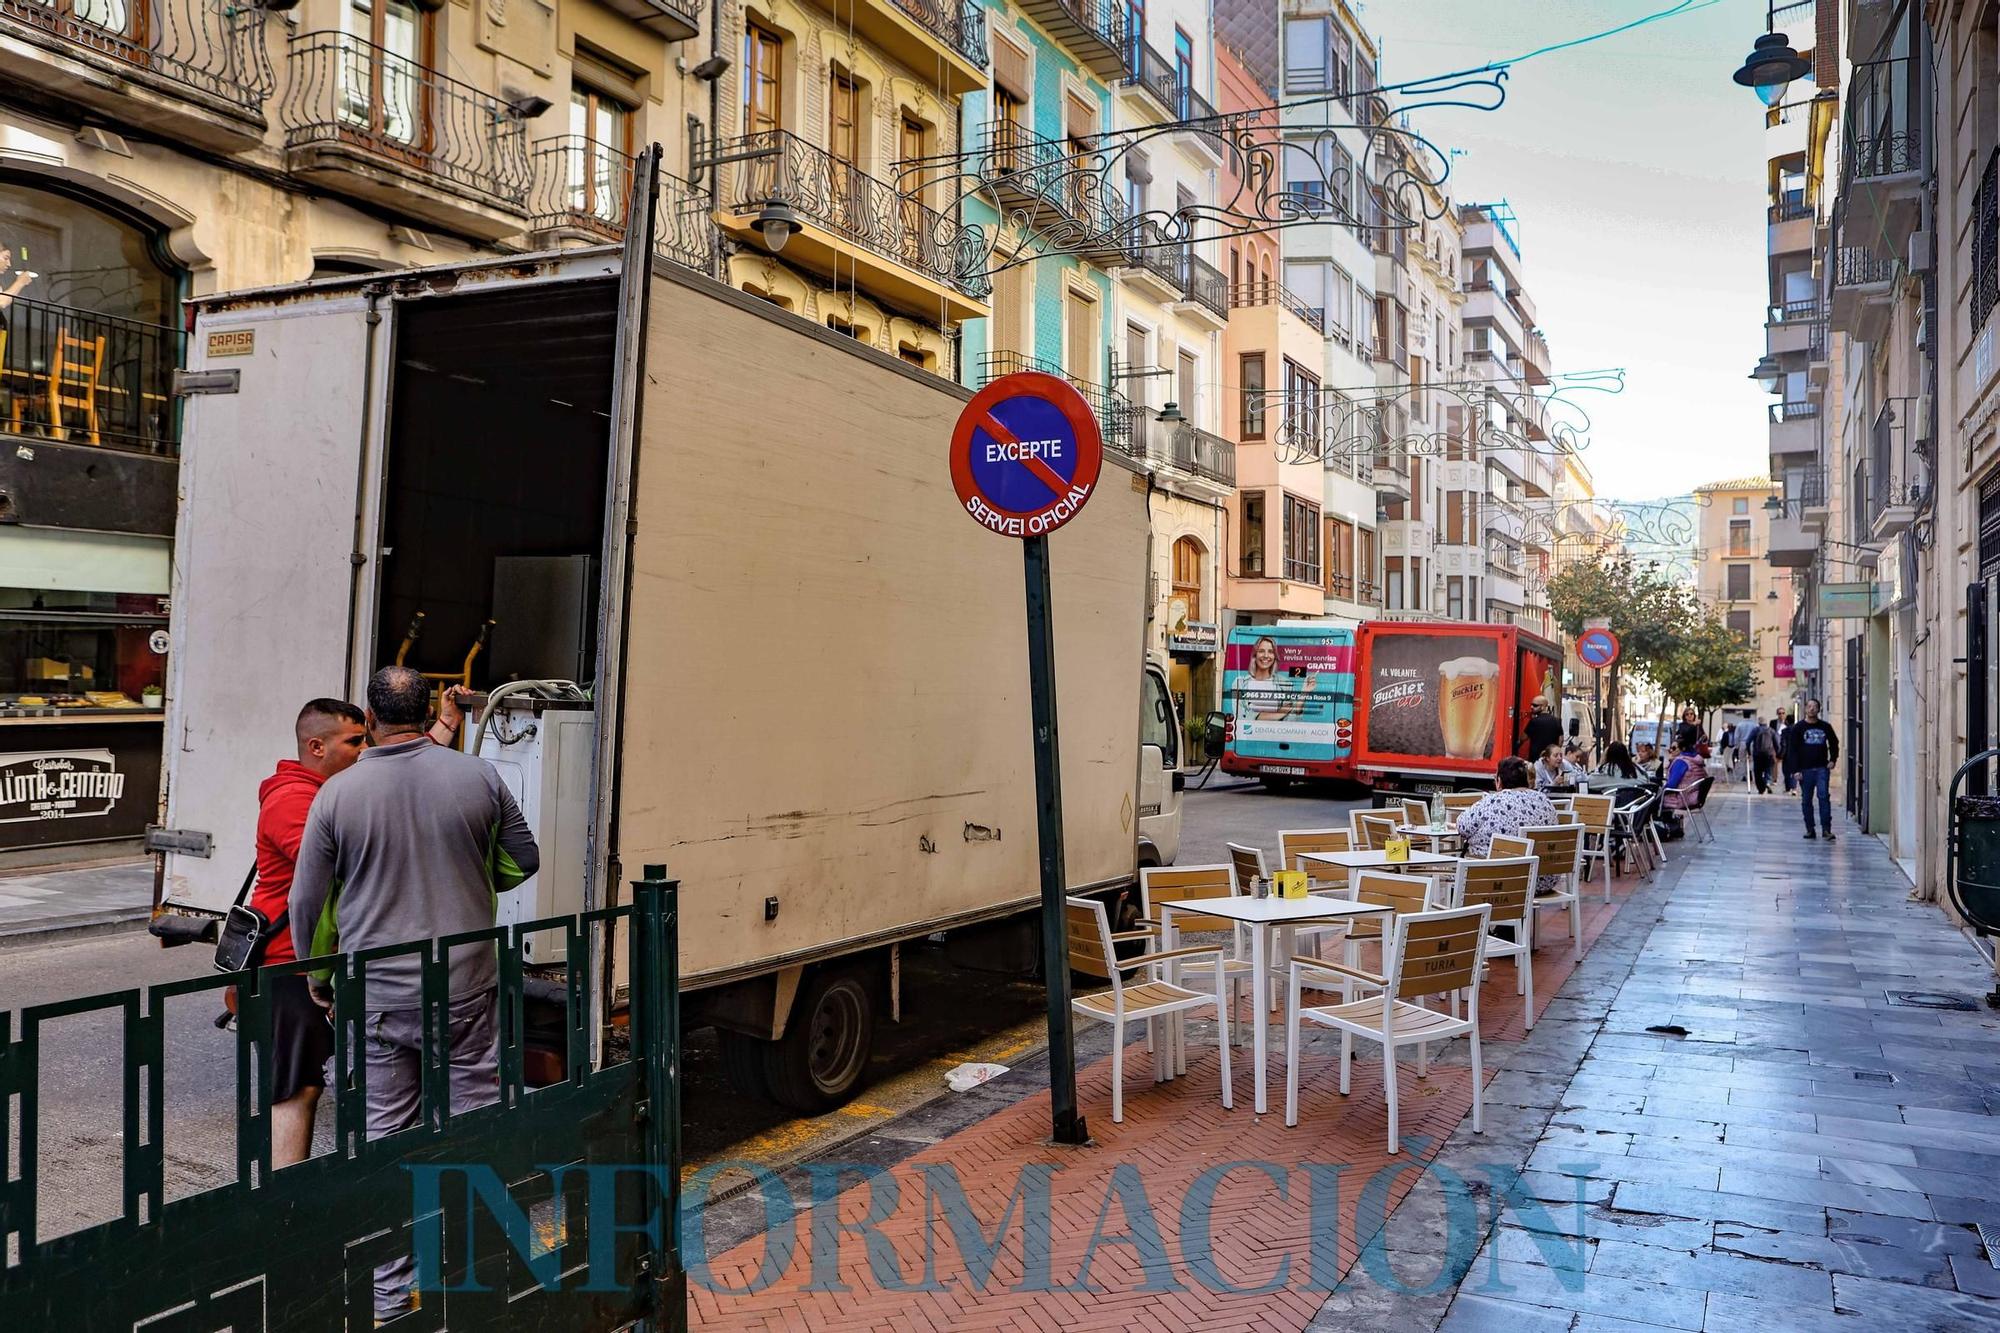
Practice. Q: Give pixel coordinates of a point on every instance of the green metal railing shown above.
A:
(295, 1249)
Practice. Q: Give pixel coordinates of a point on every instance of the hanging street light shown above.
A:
(1768, 374)
(1770, 68)
(776, 222)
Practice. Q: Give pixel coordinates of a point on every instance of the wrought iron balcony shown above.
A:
(1054, 188)
(1893, 493)
(205, 52)
(75, 375)
(841, 199)
(1205, 284)
(1093, 30)
(1790, 210)
(1884, 131)
(1859, 266)
(351, 103)
(1791, 311)
(1783, 412)
(583, 190)
(1269, 291)
(960, 24)
(1115, 412)
(675, 20)
(1161, 79)
(1986, 244)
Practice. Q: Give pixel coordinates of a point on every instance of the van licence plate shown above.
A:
(1436, 788)
(1284, 770)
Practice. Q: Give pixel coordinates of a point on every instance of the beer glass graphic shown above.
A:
(1468, 695)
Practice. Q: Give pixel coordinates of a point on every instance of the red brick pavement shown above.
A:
(1138, 1174)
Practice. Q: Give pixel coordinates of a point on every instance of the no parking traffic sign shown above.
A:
(1025, 454)
(1598, 648)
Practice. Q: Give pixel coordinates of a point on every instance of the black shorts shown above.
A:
(301, 1039)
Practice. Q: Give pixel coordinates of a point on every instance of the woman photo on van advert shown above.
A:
(1255, 693)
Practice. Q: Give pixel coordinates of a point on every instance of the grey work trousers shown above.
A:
(395, 1094)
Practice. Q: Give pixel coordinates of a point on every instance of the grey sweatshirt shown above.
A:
(410, 843)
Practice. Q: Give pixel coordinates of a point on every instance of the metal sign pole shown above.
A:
(1068, 1124)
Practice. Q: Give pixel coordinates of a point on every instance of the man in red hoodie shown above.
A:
(330, 735)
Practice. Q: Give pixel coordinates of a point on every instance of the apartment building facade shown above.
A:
(1734, 578)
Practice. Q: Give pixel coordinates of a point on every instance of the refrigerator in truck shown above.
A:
(1439, 705)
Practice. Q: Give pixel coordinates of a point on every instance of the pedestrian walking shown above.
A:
(1763, 755)
(1544, 728)
(329, 734)
(1791, 775)
(418, 838)
(1811, 749)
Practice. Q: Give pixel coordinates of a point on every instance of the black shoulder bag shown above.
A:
(246, 932)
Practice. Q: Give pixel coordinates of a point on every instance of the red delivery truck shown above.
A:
(1438, 705)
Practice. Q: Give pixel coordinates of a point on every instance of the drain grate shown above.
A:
(1989, 1236)
(1873, 1076)
(1931, 999)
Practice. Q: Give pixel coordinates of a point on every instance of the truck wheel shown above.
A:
(820, 1059)
(743, 1064)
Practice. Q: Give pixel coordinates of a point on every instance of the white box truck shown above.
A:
(801, 683)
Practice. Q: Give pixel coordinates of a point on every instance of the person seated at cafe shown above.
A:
(1647, 760)
(1513, 805)
(1686, 771)
(1618, 762)
(1554, 771)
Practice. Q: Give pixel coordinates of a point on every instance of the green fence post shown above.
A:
(656, 1044)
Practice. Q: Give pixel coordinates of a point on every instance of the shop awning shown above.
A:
(84, 561)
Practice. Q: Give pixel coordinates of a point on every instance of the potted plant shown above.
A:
(151, 696)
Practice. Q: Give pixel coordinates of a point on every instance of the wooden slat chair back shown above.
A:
(1294, 843)
(1459, 802)
(73, 375)
(1437, 953)
(1248, 863)
(1593, 812)
(1504, 886)
(1172, 885)
(1558, 847)
(1090, 947)
(1416, 812)
(1401, 893)
(1372, 830)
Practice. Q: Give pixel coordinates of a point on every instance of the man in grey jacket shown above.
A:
(412, 843)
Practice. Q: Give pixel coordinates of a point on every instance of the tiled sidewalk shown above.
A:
(1811, 1155)
(81, 897)
(1145, 1205)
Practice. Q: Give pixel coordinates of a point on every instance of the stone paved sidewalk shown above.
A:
(86, 897)
(1813, 1154)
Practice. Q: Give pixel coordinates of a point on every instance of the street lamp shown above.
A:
(776, 222)
(1770, 68)
(1170, 415)
(1768, 374)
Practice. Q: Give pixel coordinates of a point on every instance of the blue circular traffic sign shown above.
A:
(1026, 454)
(1598, 648)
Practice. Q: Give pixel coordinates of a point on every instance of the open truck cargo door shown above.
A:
(266, 571)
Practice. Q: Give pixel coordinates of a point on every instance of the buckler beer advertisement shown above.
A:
(1433, 694)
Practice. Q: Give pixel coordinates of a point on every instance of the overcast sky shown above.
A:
(1636, 168)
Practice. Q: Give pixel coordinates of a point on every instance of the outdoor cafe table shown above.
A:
(1432, 861)
(1263, 915)
(1434, 836)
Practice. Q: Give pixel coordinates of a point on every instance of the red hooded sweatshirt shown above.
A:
(282, 803)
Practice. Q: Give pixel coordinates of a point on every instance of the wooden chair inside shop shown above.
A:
(1162, 892)
(1593, 814)
(1559, 848)
(1371, 830)
(73, 376)
(1093, 951)
(1434, 953)
(1505, 887)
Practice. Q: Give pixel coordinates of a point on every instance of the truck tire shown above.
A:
(819, 1061)
(743, 1064)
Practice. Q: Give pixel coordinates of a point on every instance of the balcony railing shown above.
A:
(75, 375)
(586, 189)
(1884, 122)
(1889, 457)
(1793, 411)
(1302, 571)
(1184, 448)
(1790, 210)
(841, 198)
(1986, 244)
(1205, 284)
(1793, 311)
(1113, 410)
(1858, 266)
(1269, 291)
(345, 91)
(1016, 160)
(212, 47)
(960, 24)
(1340, 585)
